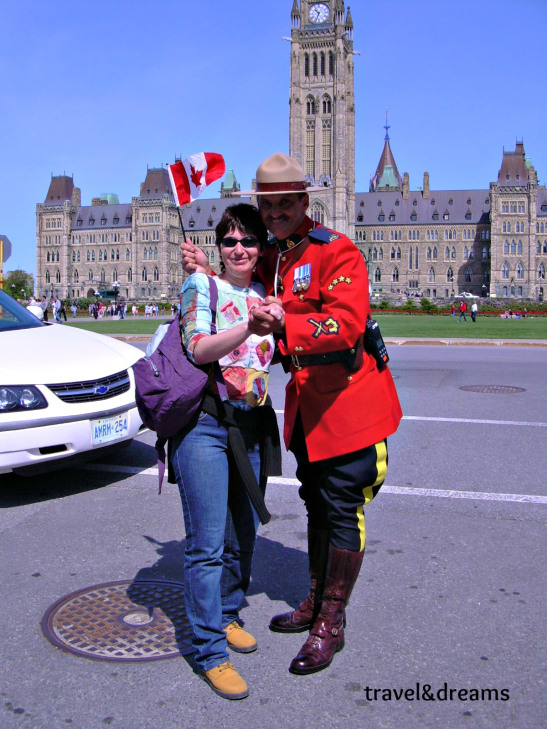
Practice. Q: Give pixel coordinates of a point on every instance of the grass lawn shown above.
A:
(393, 325)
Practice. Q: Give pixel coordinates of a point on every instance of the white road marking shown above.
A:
(472, 421)
(398, 490)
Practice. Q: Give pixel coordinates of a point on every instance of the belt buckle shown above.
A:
(296, 361)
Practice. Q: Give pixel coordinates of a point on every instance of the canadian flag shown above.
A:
(189, 177)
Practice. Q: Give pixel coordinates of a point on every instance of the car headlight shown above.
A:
(21, 397)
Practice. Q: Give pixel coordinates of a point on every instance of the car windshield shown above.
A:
(15, 316)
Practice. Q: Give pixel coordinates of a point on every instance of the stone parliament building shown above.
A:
(437, 243)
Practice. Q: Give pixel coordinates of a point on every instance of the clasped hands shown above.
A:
(265, 318)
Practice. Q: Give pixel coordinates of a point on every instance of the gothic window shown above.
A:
(326, 105)
(465, 253)
(144, 275)
(395, 275)
(150, 253)
(145, 254)
(506, 248)
(541, 272)
(484, 253)
(115, 274)
(513, 247)
(398, 254)
(306, 65)
(317, 213)
(90, 276)
(447, 252)
(326, 147)
(431, 275)
(435, 253)
(57, 276)
(453, 252)
(519, 247)
(93, 256)
(156, 274)
(103, 277)
(377, 276)
(155, 253)
(381, 254)
(310, 148)
(331, 63)
(428, 255)
(76, 276)
(100, 255)
(410, 257)
(505, 270)
(314, 57)
(468, 275)
(520, 271)
(374, 254)
(129, 275)
(127, 254)
(322, 64)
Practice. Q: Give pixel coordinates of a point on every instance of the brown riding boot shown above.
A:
(304, 616)
(327, 634)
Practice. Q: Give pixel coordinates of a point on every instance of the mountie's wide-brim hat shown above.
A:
(280, 175)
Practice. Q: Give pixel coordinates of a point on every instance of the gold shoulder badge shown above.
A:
(340, 279)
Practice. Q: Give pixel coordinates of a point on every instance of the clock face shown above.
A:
(319, 13)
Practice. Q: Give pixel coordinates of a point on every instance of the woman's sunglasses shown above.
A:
(248, 242)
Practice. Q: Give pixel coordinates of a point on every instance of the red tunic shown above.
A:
(341, 411)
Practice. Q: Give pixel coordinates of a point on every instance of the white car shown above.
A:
(64, 392)
(466, 295)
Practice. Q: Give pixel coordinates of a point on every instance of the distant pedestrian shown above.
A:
(474, 311)
(43, 306)
(453, 310)
(74, 309)
(463, 309)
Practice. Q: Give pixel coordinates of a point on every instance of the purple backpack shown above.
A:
(170, 388)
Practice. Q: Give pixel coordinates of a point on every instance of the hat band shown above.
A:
(297, 186)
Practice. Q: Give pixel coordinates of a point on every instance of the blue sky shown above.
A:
(103, 90)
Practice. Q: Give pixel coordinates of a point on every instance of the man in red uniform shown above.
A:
(339, 407)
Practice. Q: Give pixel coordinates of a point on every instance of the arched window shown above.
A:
(322, 64)
(317, 213)
(398, 254)
(145, 254)
(519, 247)
(306, 65)
(465, 253)
(435, 253)
(453, 252)
(155, 253)
(468, 274)
(310, 106)
(326, 105)
(506, 248)
(513, 247)
(156, 274)
(447, 252)
(127, 254)
(505, 270)
(449, 275)
(395, 275)
(130, 275)
(520, 271)
(431, 275)
(428, 252)
(377, 276)
(76, 276)
(392, 254)
(144, 275)
(541, 272)
(331, 63)
(314, 58)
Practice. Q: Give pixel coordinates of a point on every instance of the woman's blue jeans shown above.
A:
(221, 527)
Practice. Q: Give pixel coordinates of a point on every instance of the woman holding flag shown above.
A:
(220, 521)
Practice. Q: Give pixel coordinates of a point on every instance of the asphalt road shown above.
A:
(450, 596)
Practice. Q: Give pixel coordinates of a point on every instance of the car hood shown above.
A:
(56, 353)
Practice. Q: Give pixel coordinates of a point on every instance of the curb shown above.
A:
(400, 341)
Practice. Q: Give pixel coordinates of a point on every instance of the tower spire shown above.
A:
(387, 128)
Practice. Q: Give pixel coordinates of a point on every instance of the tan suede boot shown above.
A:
(226, 681)
(238, 639)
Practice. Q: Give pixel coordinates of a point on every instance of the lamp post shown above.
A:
(116, 287)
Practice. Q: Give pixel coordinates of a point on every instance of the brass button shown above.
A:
(301, 297)
(352, 351)
(350, 378)
(283, 258)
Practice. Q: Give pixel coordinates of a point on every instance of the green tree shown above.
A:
(19, 284)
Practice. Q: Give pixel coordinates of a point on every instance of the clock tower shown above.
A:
(322, 108)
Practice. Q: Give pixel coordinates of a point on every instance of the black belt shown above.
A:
(261, 420)
(346, 356)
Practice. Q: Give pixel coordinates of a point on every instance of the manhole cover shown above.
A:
(493, 389)
(121, 621)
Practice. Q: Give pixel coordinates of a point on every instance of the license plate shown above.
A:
(107, 429)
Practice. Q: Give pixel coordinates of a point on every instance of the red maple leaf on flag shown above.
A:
(196, 176)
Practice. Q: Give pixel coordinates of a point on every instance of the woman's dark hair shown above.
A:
(242, 217)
